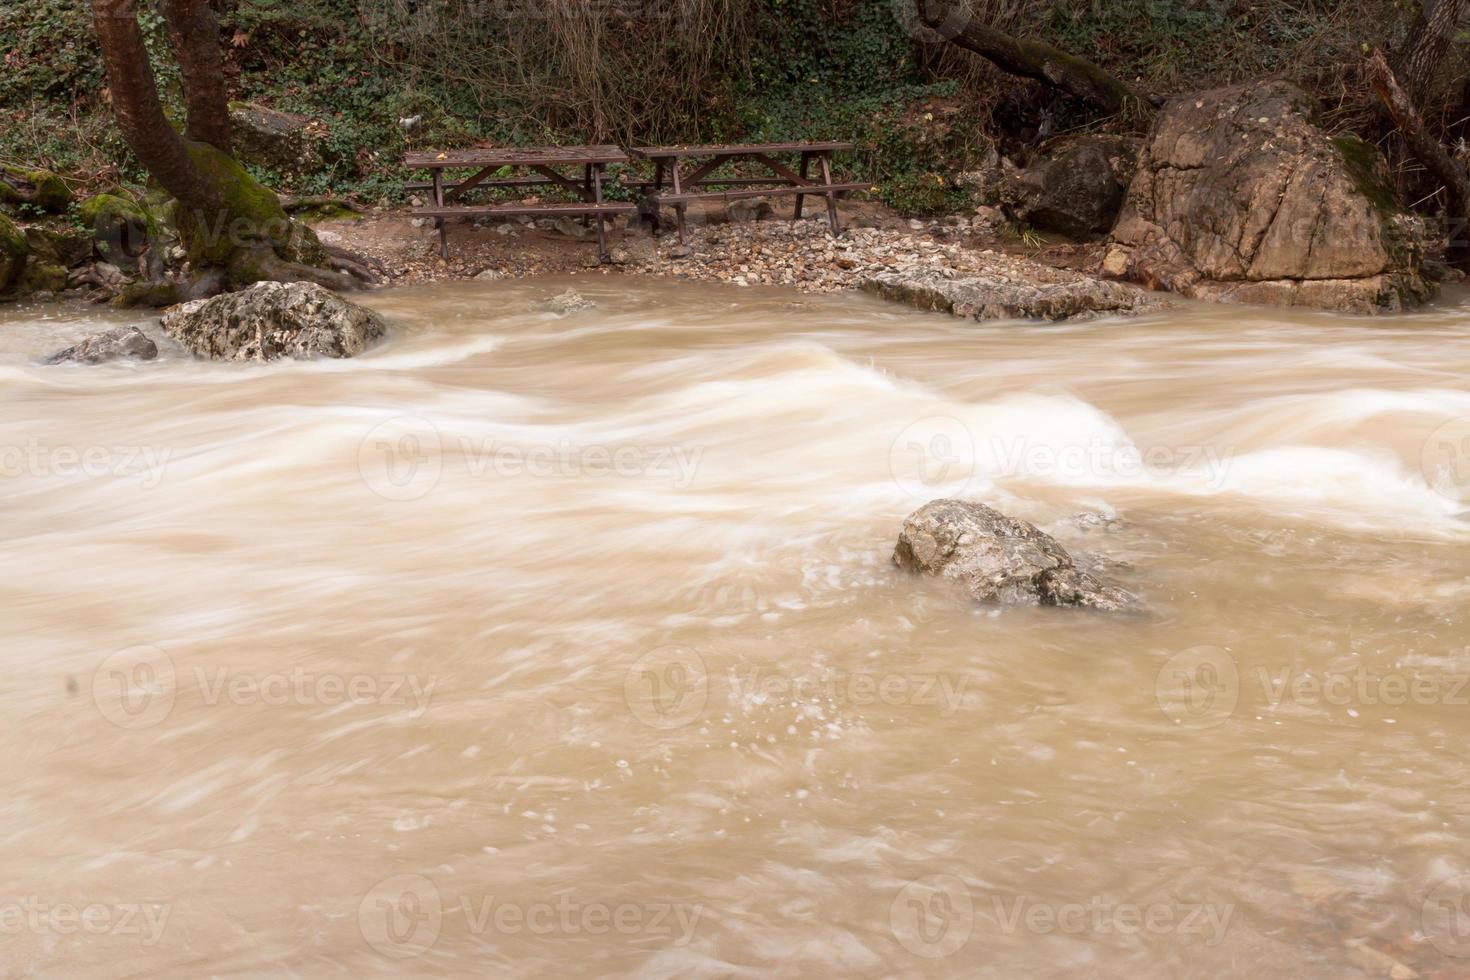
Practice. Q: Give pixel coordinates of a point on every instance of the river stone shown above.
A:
(568, 302)
(271, 320)
(999, 559)
(1075, 185)
(111, 345)
(1036, 293)
(279, 140)
(1239, 196)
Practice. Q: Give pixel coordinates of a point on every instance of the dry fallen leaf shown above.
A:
(442, 156)
(240, 39)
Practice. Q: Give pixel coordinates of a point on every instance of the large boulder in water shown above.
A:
(1240, 197)
(271, 320)
(999, 559)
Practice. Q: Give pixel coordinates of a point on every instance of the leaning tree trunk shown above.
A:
(1429, 41)
(227, 221)
(1034, 59)
(1430, 152)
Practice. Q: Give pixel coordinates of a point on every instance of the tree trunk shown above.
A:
(1034, 59)
(1425, 49)
(194, 34)
(1430, 152)
(136, 107)
(226, 220)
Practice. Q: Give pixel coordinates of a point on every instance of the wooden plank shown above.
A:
(812, 190)
(549, 210)
(514, 156)
(671, 152)
(424, 185)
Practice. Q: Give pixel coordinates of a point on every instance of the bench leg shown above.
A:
(678, 208)
(831, 197)
(806, 160)
(439, 222)
(595, 173)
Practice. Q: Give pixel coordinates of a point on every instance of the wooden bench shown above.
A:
(543, 161)
(699, 185)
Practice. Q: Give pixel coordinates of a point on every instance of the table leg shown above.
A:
(658, 175)
(806, 160)
(439, 222)
(678, 208)
(587, 178)
(595, 170)
(831, 195)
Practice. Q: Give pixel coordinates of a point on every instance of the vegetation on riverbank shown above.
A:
(383, 75)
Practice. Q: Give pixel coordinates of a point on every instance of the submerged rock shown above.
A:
(570, 301)
(1053, 295)
(271, 320)
(999, 559)
(1240, 197)
(111, 345)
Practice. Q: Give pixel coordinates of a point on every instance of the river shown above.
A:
(541, 646)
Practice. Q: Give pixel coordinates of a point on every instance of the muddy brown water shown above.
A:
(541, 646)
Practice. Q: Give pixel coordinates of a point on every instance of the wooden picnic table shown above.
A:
(547, 162)
(698, 184)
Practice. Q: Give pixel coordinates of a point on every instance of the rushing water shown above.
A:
(545, 646)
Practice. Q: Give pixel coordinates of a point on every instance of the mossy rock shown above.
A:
(149, 294)
(13, 252)
(41, 277)
(51, 193)
(119, 226)
(64, 246)
(1369, 172)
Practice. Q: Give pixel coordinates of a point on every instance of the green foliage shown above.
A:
(556, 71)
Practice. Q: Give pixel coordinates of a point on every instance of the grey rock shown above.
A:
(1046, 294)
(111, 345)
(1076, 185)
(999, 559)
(278, 140)
(489, 275)
(749, 209)
(271, 320)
